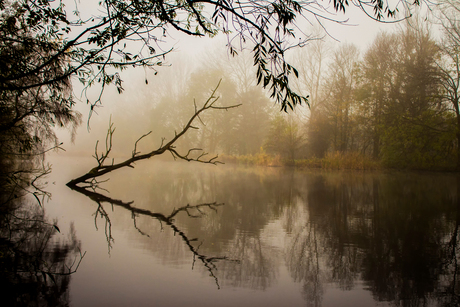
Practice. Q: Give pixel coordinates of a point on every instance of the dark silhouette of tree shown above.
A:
(32, 99)
(418, 130)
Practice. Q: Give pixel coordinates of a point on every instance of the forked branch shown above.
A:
(102, 168)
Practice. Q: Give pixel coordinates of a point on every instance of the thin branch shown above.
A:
(102, 169)
(135, 144)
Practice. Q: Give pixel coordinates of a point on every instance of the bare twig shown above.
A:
(108, 224)
(135, 144)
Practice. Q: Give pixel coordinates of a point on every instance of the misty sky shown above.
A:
(359, 30)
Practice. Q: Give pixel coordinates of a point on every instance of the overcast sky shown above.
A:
(360, 30)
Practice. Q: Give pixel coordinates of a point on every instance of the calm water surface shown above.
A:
(274, 237)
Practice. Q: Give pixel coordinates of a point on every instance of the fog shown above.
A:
(160, 100)
(244, 233)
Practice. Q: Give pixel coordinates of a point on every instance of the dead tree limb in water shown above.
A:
(102, 168)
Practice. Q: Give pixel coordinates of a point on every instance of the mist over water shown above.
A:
(274, 236)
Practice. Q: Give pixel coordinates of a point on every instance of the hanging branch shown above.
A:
(102, 169)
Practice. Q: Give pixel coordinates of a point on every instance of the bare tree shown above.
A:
(311, 63)
(449, 64)
(103, 167)
(378, 78)
(341, 85)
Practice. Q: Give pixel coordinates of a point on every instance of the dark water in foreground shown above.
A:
(280, 238)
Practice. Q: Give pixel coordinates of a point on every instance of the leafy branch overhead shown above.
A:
(103, 168)
(42, 45)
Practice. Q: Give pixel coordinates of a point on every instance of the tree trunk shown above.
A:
(458, 135)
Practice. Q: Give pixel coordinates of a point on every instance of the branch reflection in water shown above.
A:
(36, 264)
(195, 211)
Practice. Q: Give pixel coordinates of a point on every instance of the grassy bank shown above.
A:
(351, 161)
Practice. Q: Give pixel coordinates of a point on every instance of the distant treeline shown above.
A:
(395, 105)
(387, 107)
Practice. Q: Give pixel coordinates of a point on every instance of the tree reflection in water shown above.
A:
(257, 268)
(392, 235)
(303, 261)
(396, 234)
(35, 264)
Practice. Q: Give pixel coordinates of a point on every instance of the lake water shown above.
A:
(274, 237)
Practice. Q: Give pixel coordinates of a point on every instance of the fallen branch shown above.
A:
(102, 169)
